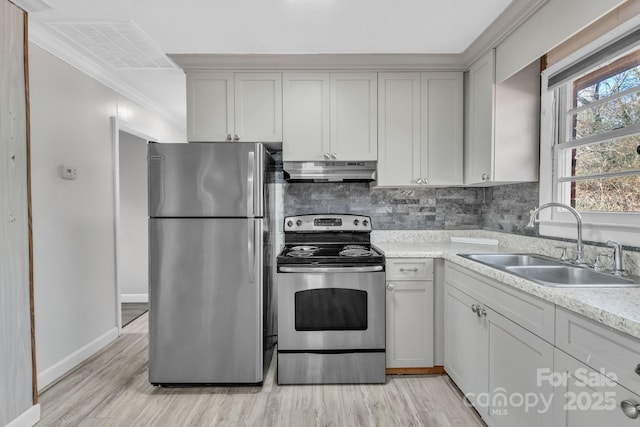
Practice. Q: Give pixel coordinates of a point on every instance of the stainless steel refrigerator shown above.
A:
(210, 263)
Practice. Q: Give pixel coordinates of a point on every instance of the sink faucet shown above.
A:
(580, 247)
(617, 258)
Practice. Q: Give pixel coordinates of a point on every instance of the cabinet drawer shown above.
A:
(599, 347)
(534, 314)
(409, 269)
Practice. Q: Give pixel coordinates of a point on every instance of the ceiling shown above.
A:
(242, 27)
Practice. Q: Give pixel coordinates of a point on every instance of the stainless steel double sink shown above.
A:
(550, 272)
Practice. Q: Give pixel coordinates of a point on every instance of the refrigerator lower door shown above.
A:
(205, 292)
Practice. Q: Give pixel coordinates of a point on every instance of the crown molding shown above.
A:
(320, 61)
(511, 18)
(50, 42)
(32, 6)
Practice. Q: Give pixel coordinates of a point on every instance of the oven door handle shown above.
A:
(366, 269)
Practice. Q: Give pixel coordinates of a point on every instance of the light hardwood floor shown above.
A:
(112, 389)
(132, 310)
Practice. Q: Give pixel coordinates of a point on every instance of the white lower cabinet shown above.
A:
(493, 360)
(465, 345)
(522, 361)
(410, 313)
(516, 357)
(583, 397)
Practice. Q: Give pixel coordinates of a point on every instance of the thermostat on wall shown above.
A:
(68, 172)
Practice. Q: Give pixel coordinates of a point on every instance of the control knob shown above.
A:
(356, 222)
(289, 223)
(299, 223)
(365, 222)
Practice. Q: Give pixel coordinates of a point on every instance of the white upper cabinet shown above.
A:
(502, 138)
(478, 152)
(258, 107)
(306, 116)
(234, 107)
(354, 124)
(329, 116)
(420, 125)
(442, 121)
(209, 106)
(399, 129)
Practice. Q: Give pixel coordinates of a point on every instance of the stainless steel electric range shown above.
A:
(331, 302)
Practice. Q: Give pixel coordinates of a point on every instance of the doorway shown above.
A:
(132, 238)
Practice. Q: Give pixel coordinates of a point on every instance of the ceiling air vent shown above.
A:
(120, 45)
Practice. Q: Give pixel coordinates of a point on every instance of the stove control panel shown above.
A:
(327, 222)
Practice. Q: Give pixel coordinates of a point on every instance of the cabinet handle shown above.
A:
(327, 156)
(486, 177)
(228, 137)
(425, 181)
(390, 286)
(410, 270)
(236, 137)
(419, 181)
(334, 156)
(474, 308)
(481, 312)
(637, 370)
(630, 409)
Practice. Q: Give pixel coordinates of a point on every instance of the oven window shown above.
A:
(331, 309)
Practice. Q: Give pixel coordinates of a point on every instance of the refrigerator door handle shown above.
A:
(156, 193)
(251, 166)
(251, 242)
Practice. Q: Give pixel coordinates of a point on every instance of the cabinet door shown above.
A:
(516, 358)
(479, 146)
(209, 107)
(409, 324)
(586, 398)
(442, 128)
(258, 107)
(305, 116)
(466, 346)
(354, 106)
(398, 129)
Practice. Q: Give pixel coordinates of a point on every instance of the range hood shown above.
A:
(330, 171)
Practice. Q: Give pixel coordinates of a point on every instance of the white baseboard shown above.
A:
(49, 375)
(27, 419)
(134, 298)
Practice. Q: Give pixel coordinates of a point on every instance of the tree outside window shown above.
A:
(599, 158)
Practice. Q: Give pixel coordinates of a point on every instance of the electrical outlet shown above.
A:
(68, 172)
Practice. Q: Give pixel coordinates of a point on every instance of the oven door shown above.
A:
(331, 308)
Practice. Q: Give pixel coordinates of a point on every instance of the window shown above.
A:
(598, 150)
(592, 133)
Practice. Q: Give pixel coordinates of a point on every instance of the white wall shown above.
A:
(73, 221)
(133, 267)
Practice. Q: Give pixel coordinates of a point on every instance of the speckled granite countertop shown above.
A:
(618, 308)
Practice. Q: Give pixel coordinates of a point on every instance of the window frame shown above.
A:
(623, 227)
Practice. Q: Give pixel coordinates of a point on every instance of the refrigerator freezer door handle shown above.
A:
(251, 166)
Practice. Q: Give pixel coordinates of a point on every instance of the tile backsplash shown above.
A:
(390, 208)
(503, 208)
